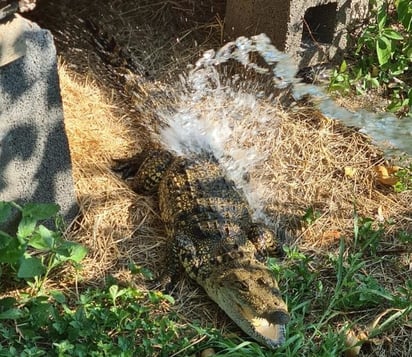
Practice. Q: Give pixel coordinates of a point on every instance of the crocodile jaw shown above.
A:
(264, 331)
(273, 333)
(268, 333)
(256, 308)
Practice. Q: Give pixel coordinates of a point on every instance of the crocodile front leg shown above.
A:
(187, 254)
(183, 256)
(145, 170)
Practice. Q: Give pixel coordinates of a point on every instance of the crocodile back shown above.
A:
(197, 200)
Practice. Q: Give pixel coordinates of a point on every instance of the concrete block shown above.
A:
(35, 164)
(12, 42)
(311, 31)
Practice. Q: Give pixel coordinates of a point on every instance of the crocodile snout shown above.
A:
(278, 317)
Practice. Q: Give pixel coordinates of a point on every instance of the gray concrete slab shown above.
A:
(35, 164)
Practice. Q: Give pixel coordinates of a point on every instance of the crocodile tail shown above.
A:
(145, 170)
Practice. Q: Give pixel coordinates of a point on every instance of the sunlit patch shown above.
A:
(268, 330)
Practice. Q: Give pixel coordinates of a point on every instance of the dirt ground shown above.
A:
(120, 61)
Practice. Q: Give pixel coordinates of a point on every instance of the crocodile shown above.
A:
(213, 237)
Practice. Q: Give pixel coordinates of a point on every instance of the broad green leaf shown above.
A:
(169, 298)
(12, 252)
(7, 303)
(5, 239)
(382, 17)
(58, 296)
(374, 82)
(71, 251)
(11, 314)
(39, 211)
(392, 34)
(6, 209)
(405, 13)
(383, 50)
(408, 51)
(26, 227)
(78, 252)
(40, 311)
(43, 239)
(339, 78)
(343, 67)
(30, 267)
(114, 291)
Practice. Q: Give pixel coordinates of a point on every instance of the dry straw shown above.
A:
(307, 156)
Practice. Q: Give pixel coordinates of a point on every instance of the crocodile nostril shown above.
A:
(278, 317)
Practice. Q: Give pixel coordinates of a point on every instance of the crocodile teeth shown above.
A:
(266, 329)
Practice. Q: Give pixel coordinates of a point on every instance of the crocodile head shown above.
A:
(249, 295)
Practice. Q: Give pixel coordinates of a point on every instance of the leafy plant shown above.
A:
(311, 215)
(404, 182)
(35, 250)
(112, 321)
(383, 56)
(328, 294)
(340, 80)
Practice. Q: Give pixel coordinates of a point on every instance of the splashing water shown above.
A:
(204, 80)
(211, 118)
(212, 108)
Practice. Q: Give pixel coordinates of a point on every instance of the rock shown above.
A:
(208, 352)
(35, 164)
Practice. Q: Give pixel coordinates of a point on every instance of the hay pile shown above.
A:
(305, 168)
(108, 115)
(116, 225)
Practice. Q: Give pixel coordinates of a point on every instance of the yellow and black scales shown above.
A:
(214, 238)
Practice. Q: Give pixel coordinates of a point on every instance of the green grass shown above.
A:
(108, 322)
(330, 294)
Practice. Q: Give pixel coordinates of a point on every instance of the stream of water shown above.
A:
(391, 134)
(222, 113)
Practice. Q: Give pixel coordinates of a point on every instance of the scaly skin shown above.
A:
(214, 238)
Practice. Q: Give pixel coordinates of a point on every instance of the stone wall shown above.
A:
(312, 31)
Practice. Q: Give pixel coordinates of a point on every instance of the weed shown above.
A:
(366, 237)
(404, 182)
(311, 215)
(35, 250)
(110, 322)
(340, 80)
(382, 56)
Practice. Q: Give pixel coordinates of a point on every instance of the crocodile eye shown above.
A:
(263, 282)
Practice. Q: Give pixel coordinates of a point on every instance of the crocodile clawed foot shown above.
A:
(165, 284)
(128, 167)
(169, 288)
